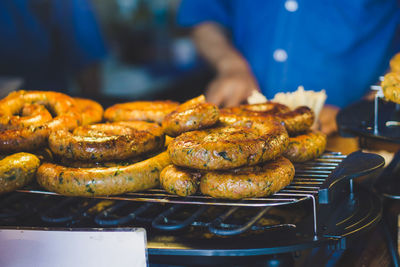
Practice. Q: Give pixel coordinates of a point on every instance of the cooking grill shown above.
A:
(320, 206)
(378, 119)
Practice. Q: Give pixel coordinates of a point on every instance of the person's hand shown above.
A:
(231, 89)
(327, 119)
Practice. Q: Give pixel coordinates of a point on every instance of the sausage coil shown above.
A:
(152, 111)
(192, 115)
(108, 141)
(179, 181)
(229, 147)
(306, 146)
(92, 112)
(256, 181)
(102, 181)
(30, 131)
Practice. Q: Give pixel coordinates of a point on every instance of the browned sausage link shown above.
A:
(179, 181)
(257, 181)
(17, 170)
(31, 115)
(152, 111)
(192, 115)
(63, 106)
(306, 146)
(298, 120)
(25, 139)
(268, 108)
(229, 147)
(87, 164)
(102, 181)
(107, 142)
(29, 137)
(92, 112)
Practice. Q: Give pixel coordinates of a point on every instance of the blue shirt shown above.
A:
(46, 41)
(338, 45)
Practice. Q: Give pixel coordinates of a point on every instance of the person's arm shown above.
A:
(234, 81)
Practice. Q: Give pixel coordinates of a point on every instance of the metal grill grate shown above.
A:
(306, 184)
(308, 178)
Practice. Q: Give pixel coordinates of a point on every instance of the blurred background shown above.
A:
(149, 56)
(122, 50)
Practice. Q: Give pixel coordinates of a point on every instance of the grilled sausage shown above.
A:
(192, 115)
(25, 139)
(306, 146)
(102, 181)
(92, 112)
(31, 131)
(64, 107)
(295, 121)
(391, 86)
(229, 147)
(17, 170)
(256, 181)
(179, 181)
(107, 141)
(152, 111)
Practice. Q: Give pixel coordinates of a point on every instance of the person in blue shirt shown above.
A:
(274, 46)
(48, 42)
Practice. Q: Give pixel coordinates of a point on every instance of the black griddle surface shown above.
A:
(358, 120)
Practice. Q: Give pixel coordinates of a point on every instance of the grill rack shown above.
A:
(309, 177)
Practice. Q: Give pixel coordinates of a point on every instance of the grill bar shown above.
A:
(306, 184)
(308, 178)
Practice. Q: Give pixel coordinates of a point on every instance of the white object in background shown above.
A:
(97, 248)
(256, 98)
(300, 97)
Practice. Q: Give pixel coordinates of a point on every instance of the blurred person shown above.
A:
(273, 46)
(48, 42)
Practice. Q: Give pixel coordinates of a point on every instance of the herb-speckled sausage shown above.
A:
(192, 115)
(223, 148)
(17, 170)
(107, 141)
(306, 146)
(256, 181)
(102, 181)
(179, 181)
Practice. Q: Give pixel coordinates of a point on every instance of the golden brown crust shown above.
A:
(107, 141)
(194, 114)
(295, 121)
(306, 146)
(152, 111)
(91, 111)
(15, 130)
(298, 120)
(179, 181)
(257, 181)
(229, 147)
(102, 181)
(17, 170)
(63, 106)
(32, 115)
(25, 139)
(391, 86)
